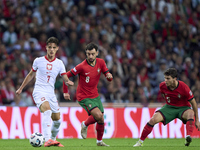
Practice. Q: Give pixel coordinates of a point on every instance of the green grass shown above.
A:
(115, 144)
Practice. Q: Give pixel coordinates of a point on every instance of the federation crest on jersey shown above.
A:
(98, 70)
(179, 95)
(168, 99)
(49, 66)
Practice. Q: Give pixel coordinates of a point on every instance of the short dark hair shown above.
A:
(90, 46)
(52, 40)
(171, 72)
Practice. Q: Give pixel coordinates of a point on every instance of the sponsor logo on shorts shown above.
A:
(90, 105)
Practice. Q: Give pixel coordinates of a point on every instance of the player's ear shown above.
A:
(97, 52)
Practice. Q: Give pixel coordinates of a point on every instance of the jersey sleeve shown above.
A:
(62, 69)
(189, 93)
(35, 65)
(76, 70)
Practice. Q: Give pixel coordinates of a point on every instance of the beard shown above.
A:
(91, 60)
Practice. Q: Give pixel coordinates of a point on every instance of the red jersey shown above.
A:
(177, 97)
(88, 78)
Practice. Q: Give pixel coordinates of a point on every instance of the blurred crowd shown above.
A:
(138, 39)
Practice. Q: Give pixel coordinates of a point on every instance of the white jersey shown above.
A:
(47, 72)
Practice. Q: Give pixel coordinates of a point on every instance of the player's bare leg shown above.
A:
(99, 116)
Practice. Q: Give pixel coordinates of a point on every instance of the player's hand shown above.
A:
(66, 96)
(69, 83)
(197, 124)
(18, 91)
(109, 76)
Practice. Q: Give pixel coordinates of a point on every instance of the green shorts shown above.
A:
(90, 103)
(169, 113)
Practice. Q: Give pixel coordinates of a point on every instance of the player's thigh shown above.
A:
(168, 113)
(53, 102)
(156, 118)
(45, 106)
(97, 114)
(185, 114)
(41, 101)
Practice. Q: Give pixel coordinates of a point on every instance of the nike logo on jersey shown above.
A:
(87, 73)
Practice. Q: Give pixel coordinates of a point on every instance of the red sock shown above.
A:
(90, 120)
(100, 131)
(146, 131)
(189, 126)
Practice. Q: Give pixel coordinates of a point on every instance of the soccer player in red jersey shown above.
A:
(89, 72)
(178, 98)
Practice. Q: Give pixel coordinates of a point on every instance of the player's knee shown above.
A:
(99, 117)
(190, 114)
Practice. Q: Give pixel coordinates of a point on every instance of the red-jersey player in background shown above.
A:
(178, 98)
(89, 72)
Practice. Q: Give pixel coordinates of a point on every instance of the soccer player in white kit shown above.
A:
(46, 69)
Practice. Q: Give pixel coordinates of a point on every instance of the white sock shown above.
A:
(84, 124)
(55, 129)
(141, 140)
(46, 124)
(99, 141)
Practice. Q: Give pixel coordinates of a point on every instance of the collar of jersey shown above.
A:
(89, 63)
(48, 59)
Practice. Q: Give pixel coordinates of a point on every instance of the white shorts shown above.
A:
(41, 97)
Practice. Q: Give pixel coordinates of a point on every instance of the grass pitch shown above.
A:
(115, 144)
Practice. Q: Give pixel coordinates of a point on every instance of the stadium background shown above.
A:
(138, 39)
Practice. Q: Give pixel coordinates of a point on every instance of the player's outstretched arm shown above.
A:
(28, 78)
(67, 81)
(194, 107)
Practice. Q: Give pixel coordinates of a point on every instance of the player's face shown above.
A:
(51, 48)
(169, 81)
(91, 55)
